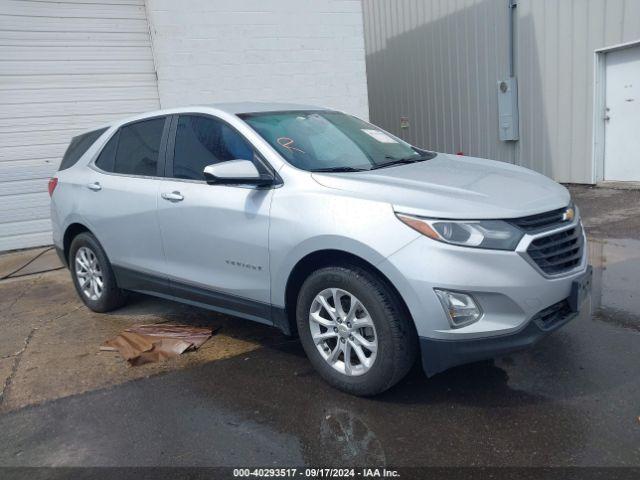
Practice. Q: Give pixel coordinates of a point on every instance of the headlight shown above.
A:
(492, 234)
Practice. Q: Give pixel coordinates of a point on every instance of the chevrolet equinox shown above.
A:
(371, 250)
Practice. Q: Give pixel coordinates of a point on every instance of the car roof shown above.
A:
(231, 108)
(256, 107)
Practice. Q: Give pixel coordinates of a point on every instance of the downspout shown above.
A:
(508, 114)
(152, 40)
(508, 90)
(513, 4)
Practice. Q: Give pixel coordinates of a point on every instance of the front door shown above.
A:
(215, 237)
(622, 142)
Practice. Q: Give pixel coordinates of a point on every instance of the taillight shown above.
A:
(53, 183)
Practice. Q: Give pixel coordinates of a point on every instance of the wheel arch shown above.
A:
(71, 232)
(325, 258)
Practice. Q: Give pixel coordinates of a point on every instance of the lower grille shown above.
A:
(559, 252)
(551, 316)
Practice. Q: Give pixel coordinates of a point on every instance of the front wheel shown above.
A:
(355, 330)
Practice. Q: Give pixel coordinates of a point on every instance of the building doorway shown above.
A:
(622, 115)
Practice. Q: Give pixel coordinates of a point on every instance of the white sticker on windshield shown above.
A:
(378, 135)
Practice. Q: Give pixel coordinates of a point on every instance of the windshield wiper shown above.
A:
(402, 161)
(340, 169)
(399, 161)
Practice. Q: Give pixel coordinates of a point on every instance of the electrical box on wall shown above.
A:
(508, 109)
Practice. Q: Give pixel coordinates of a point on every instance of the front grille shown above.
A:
(559, 252)
(540, 221)
(551, 316)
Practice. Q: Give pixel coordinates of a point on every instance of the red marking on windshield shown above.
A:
(287, 143)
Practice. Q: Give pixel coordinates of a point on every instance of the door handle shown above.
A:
(173, 196)
(95, 186)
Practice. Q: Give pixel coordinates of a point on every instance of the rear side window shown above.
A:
(108, 154)
(134, 149)
(202, 141)
(78, 146)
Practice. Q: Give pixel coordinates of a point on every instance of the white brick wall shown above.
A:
(306, 51)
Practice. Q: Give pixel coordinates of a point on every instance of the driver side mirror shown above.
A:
(236, 172)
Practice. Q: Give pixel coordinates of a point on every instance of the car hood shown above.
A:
(451, 186)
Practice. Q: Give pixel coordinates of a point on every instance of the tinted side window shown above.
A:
(78, 146)
(139, 147)
(108, 154)
(202, 141)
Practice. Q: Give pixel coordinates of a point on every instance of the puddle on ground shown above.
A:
(348, 438)
(616, 281)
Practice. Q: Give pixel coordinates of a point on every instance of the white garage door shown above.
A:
(65, 67)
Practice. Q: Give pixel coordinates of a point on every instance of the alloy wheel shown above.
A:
(343, 331)
(89, 273)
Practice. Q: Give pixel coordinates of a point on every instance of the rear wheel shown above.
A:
(93, 276)
(355, 330)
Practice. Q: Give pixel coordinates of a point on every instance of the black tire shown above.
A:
(397, 338)
(112, 296)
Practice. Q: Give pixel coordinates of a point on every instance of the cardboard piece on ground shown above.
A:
(142, 344)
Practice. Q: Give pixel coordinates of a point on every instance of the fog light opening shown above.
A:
(461, 308)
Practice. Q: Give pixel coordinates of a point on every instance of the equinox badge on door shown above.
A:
(243, 265)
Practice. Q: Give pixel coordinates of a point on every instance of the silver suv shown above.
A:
(372, 250)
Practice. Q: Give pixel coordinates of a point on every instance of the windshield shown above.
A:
(331, 141)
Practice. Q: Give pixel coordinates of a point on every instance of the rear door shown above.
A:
(119, 201)
(215, 237)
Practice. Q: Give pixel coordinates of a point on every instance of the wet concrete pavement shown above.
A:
(251, 397)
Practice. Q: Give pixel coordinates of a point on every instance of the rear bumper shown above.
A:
(439, 355)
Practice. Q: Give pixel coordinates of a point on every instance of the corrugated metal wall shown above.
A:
(556, 44)
(438, 62)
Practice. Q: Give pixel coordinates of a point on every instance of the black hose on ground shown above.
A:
(11, 274)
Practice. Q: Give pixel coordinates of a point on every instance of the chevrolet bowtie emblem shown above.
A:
(568, 214)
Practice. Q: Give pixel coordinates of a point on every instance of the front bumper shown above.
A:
(509, 289)
(439, 355)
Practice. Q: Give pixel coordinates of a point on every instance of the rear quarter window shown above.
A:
(108, 154)
(78, 147)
